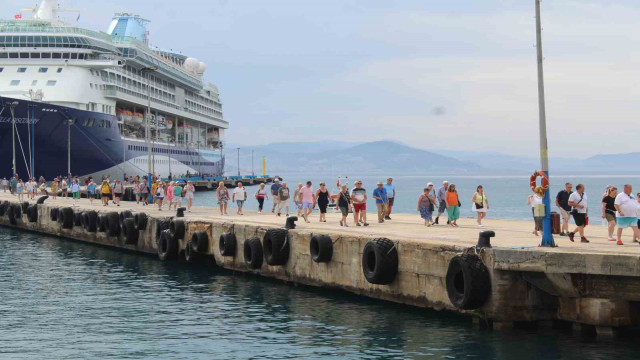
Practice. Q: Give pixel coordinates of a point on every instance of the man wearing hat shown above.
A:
(442, 193)
(380, 194)
(275, 188)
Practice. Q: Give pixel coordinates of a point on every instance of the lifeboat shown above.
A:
(127, 115)
(169, 124)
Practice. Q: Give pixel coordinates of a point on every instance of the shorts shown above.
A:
(580, 219)
(359, 207)
(307, 205)
(442, 207)
(298, 205)
(76, 195)
(390, 201)
(190, 196)
(275, 199)
(159, 198)
(118, 195)
(240, 203)
(627, 221)
(565, 214)
(610, 217)
(344, 210)
(323, 208)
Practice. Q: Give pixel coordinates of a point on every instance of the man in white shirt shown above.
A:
(239, 195)
(578, 203)
(626, 214)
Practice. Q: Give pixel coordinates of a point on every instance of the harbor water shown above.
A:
(507, 195)
(65, 299)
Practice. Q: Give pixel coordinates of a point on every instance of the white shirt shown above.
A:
(239, 193)
(535, 200)
(627, 204)
(575, 198)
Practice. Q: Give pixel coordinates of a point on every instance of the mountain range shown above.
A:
(388, 156)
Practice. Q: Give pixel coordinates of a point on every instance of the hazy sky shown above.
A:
(457, 75)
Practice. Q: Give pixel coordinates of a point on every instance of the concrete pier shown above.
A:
(591, 285)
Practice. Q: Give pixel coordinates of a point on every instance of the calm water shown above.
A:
(507, 194)
(63, 299)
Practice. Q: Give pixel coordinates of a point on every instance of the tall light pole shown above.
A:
(253, 172)
(238, 162)
(12, 107)
(547, 234)
(69, 123)
(147, 132)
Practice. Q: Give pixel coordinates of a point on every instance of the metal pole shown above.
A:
(238, 161)
(13, 135)
(29, 140)
(69, 151)
(547, 235)
(147, 131)
(33, 141)
(253, 172)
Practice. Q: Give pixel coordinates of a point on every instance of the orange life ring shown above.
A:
(544, 180)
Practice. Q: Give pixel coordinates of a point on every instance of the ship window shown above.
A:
(46, 55)
(1, 69)
(13, 55)
(24, 55)
(81, 56)
(85, 122)
(34, 83)
(91, 85)
(3, 55)
(59, 70)
(92, 122)
(57, 56)
(22, 69)
(51, 83)
(43, 70)
(35, 55)
(74, 56)
(65, 55)
(15, 82)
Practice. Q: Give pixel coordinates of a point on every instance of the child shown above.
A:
(91, 191)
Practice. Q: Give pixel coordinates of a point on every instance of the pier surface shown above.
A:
(593, 284)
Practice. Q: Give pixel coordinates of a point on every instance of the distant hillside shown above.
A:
(337, 157)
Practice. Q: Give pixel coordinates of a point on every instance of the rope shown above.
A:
(395, 246)
(22, 150)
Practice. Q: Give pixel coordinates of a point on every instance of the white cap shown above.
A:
(445, 182)
(429, 184)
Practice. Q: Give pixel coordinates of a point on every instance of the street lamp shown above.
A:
(147, 132)
(547, 235)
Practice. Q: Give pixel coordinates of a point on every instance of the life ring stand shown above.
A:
(544, 180)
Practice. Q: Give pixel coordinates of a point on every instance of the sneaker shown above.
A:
(278, 214)
(436, 222)
(584, 240)
(341, 223)
(571, 235)
(366, 224)
(387, 217)
(619, 242)
(345, 225)
(448, 222)
(611, 239)
(562, 234)
(358, 224)
(380, 221)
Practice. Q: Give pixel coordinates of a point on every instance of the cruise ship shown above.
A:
(94, 103)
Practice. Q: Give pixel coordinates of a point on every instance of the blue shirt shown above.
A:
(275, 188)
(390, 189)
(381, 193)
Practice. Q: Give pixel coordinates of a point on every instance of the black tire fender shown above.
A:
(161, 225)
(32, 213)
(11, 214)
(91, 221)
(113, 224)
(53, 214)
(101, 223)
(200, 242)
(275, 245)
(190, 255)
(77, 219)
(380, 261)
(177, 229)
(227, 244)
(140, 221)
(321, 248)
(253, 253)
(468, 282)
(129, 231)
(4, 206)
(124, 214)
(25, 206)
(167, 246)
(66, 217)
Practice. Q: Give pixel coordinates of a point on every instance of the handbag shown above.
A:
(575, 210)
(479, 206)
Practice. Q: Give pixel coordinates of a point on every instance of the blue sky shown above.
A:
(456, 75)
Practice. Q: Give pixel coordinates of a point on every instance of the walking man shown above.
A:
(442, 194)
(283, 196)
(626, 215)
(359, 199)
(578, 201)
(562, 202)
(391, 194)
(274, 193)
(308, 199)
(380, 194)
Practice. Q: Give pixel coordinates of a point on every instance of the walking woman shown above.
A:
(609, 210)
(20, 190)
(296, 199)
(189, 190)
(344, 203)
(91, 191)
(54, 188)
(223, 197)
(534, 200)
(426, 206)
(170, 193)
(453, 205)
(64, 187)
(261, 194)
(480, 204)
(136, 191)
(323, 197)
(105, 191)
(160, 191)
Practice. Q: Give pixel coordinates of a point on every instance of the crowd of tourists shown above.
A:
(619, 210)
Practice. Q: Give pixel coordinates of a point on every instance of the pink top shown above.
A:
(307, 194)
(170, 192)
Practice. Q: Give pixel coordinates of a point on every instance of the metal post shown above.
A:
(147, 132)
(253, 173)
(69, 151)
(13, 135)
(238, 162)
(547, 234)
(29, 140)
(33, 141)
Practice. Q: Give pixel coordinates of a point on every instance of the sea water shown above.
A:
(507, 195)
(61, 299)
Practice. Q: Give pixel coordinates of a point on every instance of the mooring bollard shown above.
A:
(180, 212)
(291, 222)
(484, 239)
